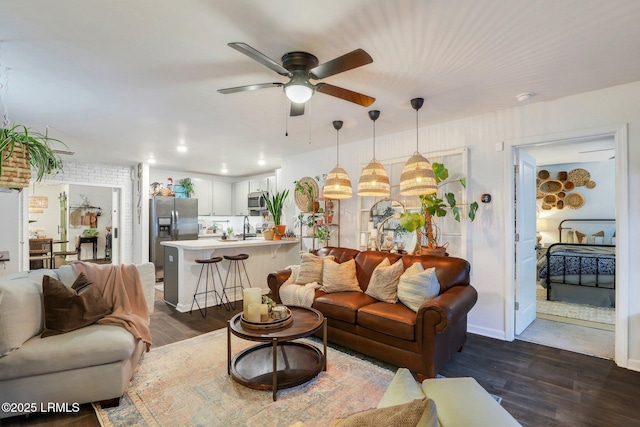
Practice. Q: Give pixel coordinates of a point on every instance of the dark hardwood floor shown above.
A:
(539, 386)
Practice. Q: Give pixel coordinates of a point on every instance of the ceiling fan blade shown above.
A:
(346, 94)
(346, 62)
(260, 57)
(249, 87)
(296, 109)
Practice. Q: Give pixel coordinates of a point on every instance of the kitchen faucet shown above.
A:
(246, 226)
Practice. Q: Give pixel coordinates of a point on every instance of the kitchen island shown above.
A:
(181, 271)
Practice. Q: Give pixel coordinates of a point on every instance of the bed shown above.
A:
(581, 267)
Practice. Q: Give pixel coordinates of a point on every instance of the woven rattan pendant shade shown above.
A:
(417, 176)
(338, 184)
(374, 180)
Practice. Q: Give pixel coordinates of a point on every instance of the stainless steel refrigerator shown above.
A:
(170, 218)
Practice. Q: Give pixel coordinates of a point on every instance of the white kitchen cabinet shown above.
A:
(202, 190)
(221, 202)
(240, 198)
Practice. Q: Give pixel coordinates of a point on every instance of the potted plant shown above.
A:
(435, 205)
(307, 220)
(187, 186)
(22, 149)
(322, 233)
(275, 203)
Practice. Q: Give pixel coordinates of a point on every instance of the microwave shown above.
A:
(256, 202)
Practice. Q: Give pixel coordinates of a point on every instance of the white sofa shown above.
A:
(458, 401)
(94, 363)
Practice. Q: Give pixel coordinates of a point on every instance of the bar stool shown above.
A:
(208, 264)
(234, 264)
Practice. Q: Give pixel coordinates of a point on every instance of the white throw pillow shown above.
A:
(403, 388)
(415, 289)
(339, 277)
(310, 268)
(383, 284)
(21, 308)
(293, 276)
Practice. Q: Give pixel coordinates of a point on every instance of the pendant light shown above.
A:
(417, 176)
(338, 184)
(374, 180)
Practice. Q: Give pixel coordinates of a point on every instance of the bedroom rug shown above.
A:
(186, 383)
(579, 339)
(581, 314)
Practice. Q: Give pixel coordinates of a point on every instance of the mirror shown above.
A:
(384, 216)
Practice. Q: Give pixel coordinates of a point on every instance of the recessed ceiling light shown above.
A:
(151, 161)
(223, 170)
(181, 148)
(525, 96)
(262, 162)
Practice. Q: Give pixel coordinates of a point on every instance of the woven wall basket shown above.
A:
(16, 170)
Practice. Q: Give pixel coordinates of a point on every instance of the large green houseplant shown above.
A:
(435, 205)
(42, 158)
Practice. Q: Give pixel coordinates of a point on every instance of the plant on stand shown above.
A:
(275, 204)
(435, 205)
(323, 234)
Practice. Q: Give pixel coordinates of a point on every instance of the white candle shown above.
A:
(251, 296)
(264, 312)
(253, 313)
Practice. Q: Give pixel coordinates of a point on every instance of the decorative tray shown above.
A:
(269, 324)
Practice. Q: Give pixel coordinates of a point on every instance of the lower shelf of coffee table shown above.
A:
(297, 363)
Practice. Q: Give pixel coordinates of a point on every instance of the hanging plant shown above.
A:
(41, 156)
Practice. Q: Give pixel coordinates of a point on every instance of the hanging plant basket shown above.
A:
(16, 168)
(22, 149)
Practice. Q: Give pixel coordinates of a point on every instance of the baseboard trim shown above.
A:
(487, 332)
(633, 364)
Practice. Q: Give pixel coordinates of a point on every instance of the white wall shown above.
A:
(616, 105)
(9, 231)
(600, 201)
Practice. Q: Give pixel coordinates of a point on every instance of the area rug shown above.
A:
(584, 314)
(186, 383)
(579, 339)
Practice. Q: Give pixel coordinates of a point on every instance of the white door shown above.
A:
(115, 226)
(525, 244)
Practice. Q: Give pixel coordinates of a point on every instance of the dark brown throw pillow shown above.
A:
(67, 309)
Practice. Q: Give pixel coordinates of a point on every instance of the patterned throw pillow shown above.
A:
(310, 268)
(339, 277)
(383, 284)
(414, 289)
(421, 411)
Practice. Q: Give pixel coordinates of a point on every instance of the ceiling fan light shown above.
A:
(417, 177)
(338, 184)
(374, 180)
(298, 93)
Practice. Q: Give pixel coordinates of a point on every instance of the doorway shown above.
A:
(619, 135)
(569, 322)
(82, 219)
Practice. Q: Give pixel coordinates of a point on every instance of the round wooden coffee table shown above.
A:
(279, 362)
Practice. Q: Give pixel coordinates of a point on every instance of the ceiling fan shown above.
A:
(301, 67)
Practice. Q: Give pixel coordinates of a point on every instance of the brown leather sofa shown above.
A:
(424, 341)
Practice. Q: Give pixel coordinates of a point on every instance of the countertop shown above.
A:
(220, 244)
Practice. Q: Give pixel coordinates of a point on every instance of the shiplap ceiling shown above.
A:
(120, 81)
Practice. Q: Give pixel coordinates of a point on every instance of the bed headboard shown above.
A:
(610, 224)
